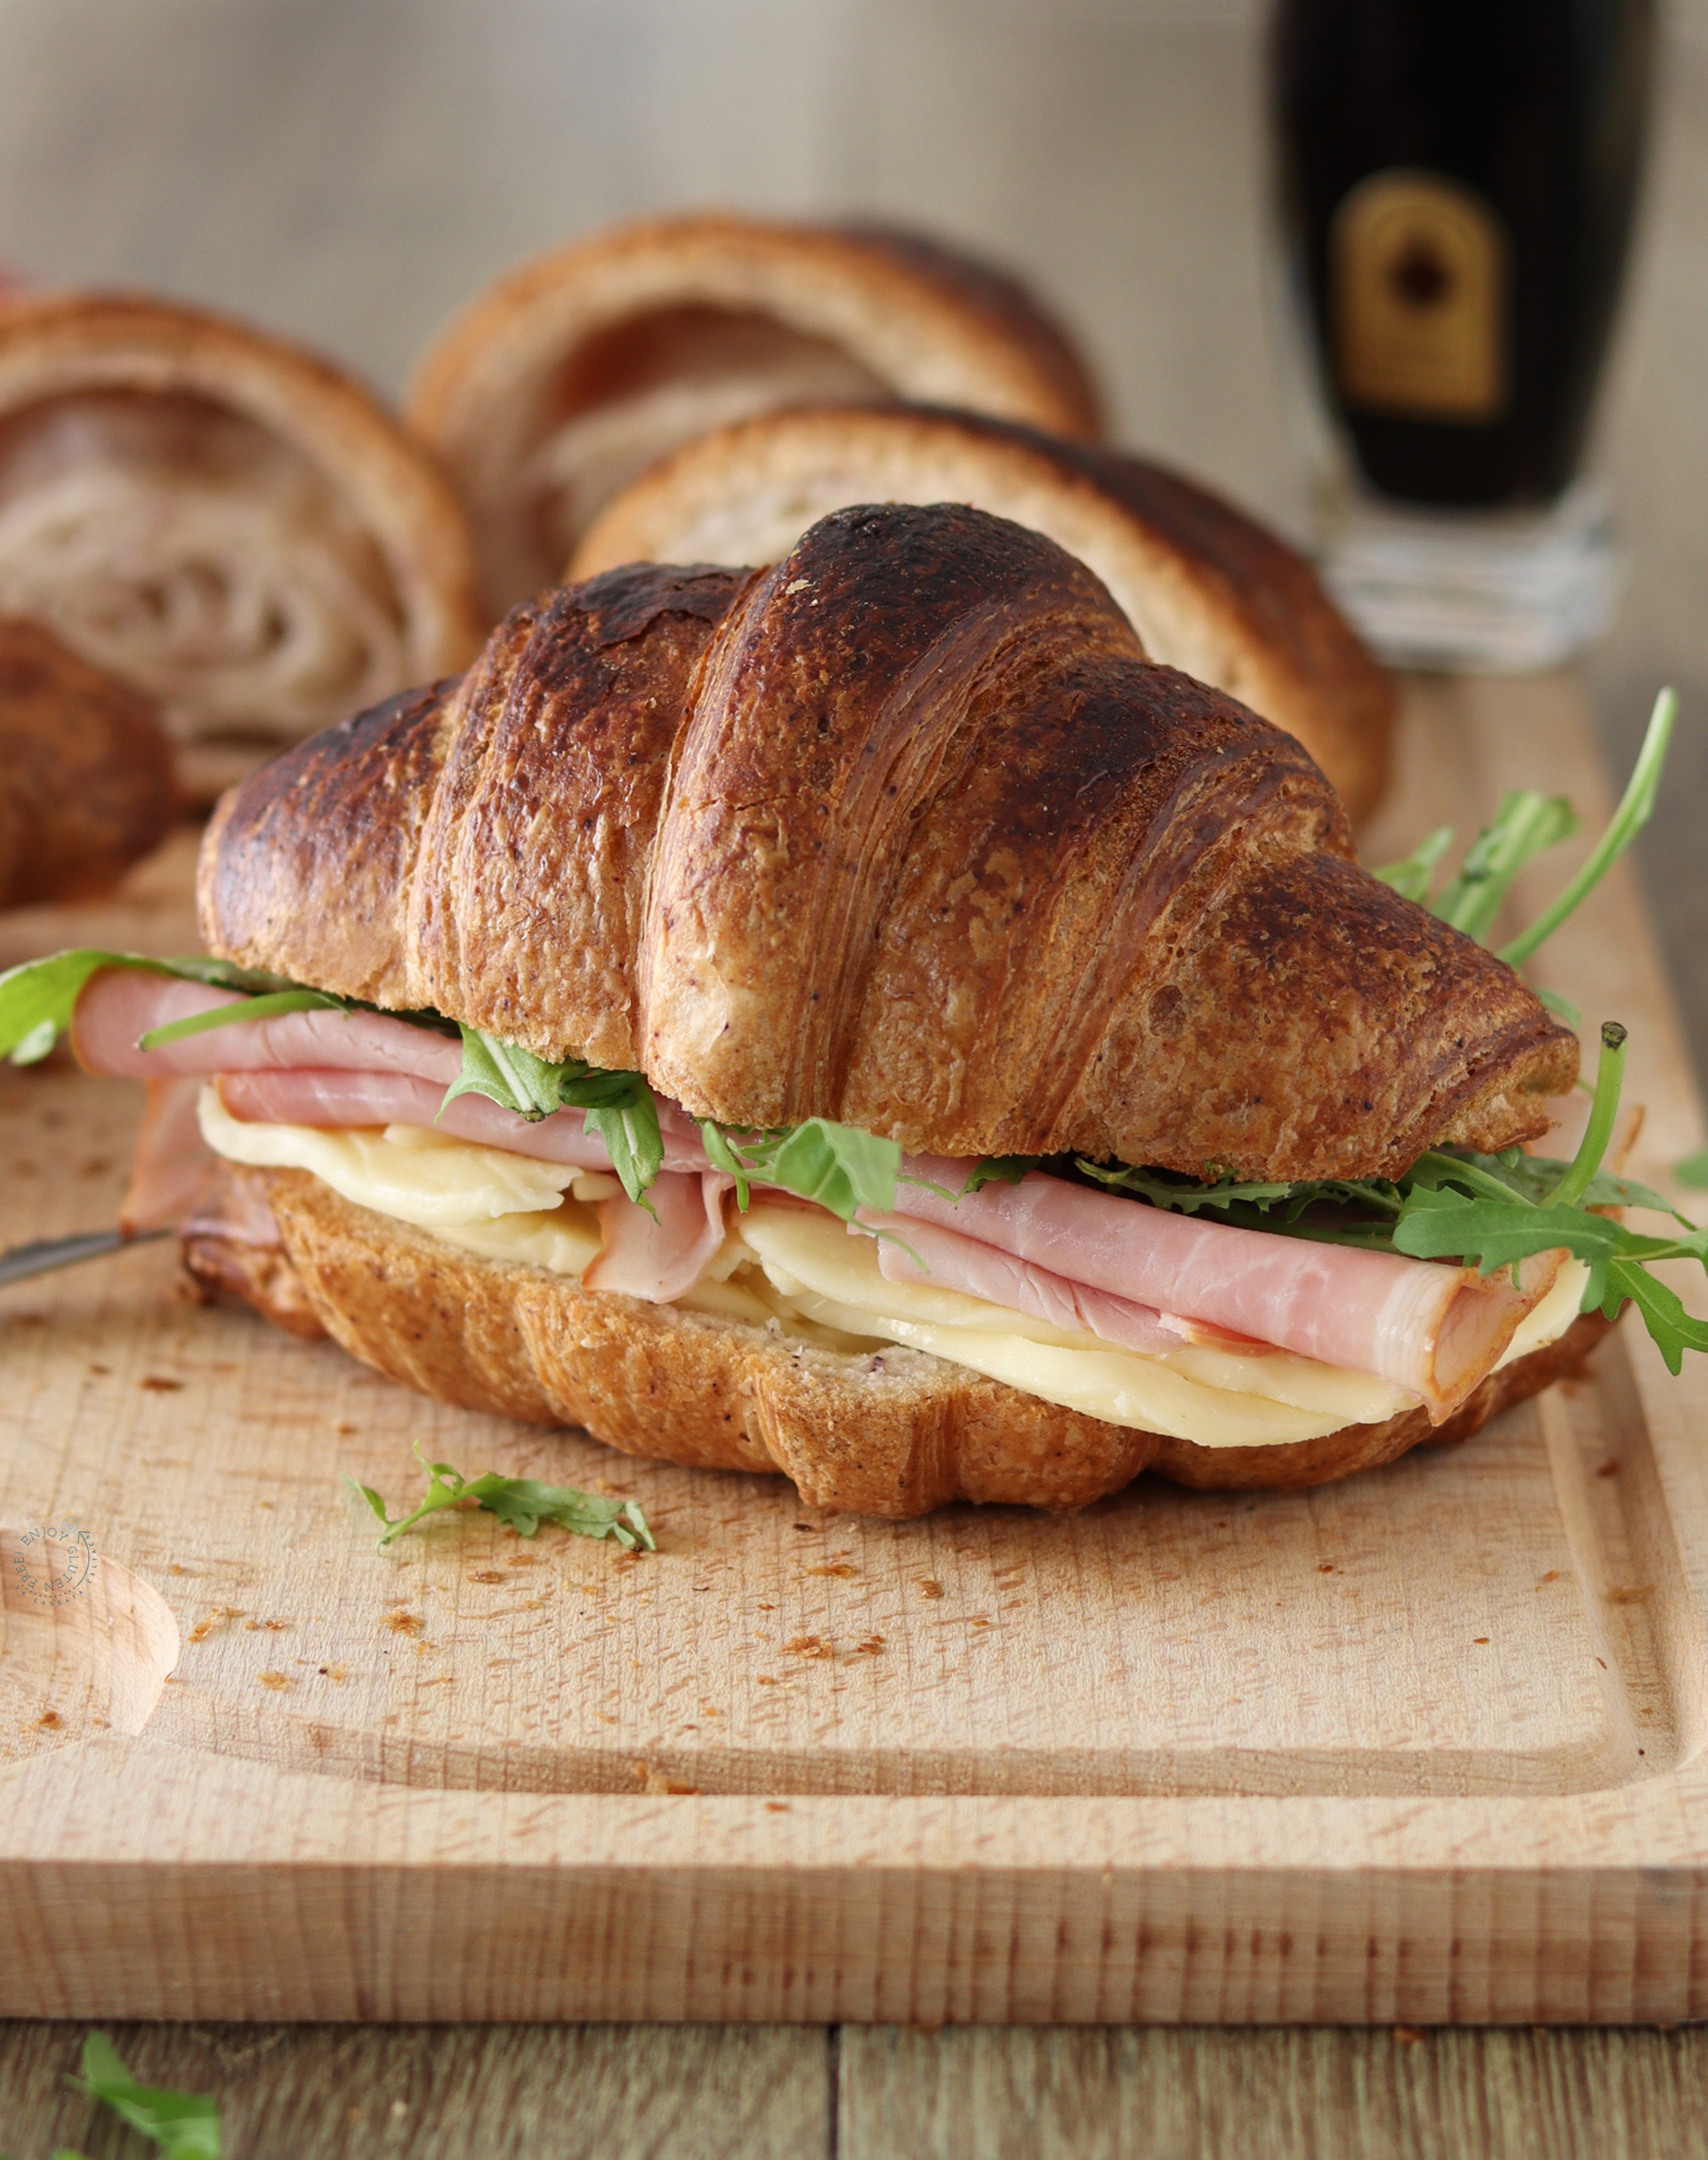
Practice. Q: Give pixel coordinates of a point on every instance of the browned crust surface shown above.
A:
(86, 783)
(59, 344)
(894, 1432)
(1209, 589)
(904, 833)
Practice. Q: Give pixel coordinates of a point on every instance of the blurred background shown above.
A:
(349, 171)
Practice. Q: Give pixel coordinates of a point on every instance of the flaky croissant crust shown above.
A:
(904, 832)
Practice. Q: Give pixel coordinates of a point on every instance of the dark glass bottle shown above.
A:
(1458, 179)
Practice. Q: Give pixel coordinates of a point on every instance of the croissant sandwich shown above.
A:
(573, 370)
(1209, 590)
(229, 524)
(861, 1018)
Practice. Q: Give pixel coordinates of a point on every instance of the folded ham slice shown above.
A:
(659, 1256)
(1432, 1329)
(338, 1102)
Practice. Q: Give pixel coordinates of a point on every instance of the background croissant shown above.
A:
(904, 832)
(572, 372)
(234, 528)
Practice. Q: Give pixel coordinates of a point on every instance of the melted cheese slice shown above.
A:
(802, 1272)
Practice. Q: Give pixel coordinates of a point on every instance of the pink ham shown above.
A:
(1432, 1329)
(120, 1004)
(172, 1167)
(660, 1255)
(1429, 1328)
(338, 1100)
(952, 1262)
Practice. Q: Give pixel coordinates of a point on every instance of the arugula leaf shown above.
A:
(1609, 1074)
(265, 1007)
(1185, 1197)
(1410, 877)
(523, 1503)
(185, 2125)
(507, 1075)
(1670, 1328)
(1636, 806)
(1524, 824)
(995, 1169)
(1488, 1228)
(839, 1167)
(1562, 1008)
(37, 999)
(621, 1111)
(631, 1135)
(1534, 1177)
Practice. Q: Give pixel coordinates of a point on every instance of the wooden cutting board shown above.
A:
(1425, 1745)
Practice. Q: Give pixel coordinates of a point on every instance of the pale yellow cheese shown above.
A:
(424, 1177)
(1550, 1317)
(804, 1272)
(561, 1242)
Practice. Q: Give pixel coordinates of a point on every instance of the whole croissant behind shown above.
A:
(904, 832)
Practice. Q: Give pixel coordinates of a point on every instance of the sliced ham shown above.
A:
(1130, 1273)
(1431, 1329)
(660, 1255)
(329, 1100)
(174, 1167)
(339, 1101)
(120, 1004)
(911, 1252)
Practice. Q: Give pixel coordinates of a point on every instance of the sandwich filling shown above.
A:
(1056, 1284)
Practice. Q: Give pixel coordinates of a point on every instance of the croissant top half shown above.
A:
(904, 832)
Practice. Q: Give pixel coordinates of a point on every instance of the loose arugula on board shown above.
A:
(522, 1502)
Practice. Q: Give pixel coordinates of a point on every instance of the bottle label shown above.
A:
(1418, 278)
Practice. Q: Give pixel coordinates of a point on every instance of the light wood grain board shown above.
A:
(1423, 1746)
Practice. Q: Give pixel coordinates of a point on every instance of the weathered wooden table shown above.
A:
(884, 2092)
(806, 2088)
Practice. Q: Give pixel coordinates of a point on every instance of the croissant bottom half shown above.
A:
(892, 1433)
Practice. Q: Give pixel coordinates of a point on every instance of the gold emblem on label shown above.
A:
(1418, 285)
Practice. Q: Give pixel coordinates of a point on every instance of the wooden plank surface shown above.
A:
(418, 2093)
(801, 2093)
